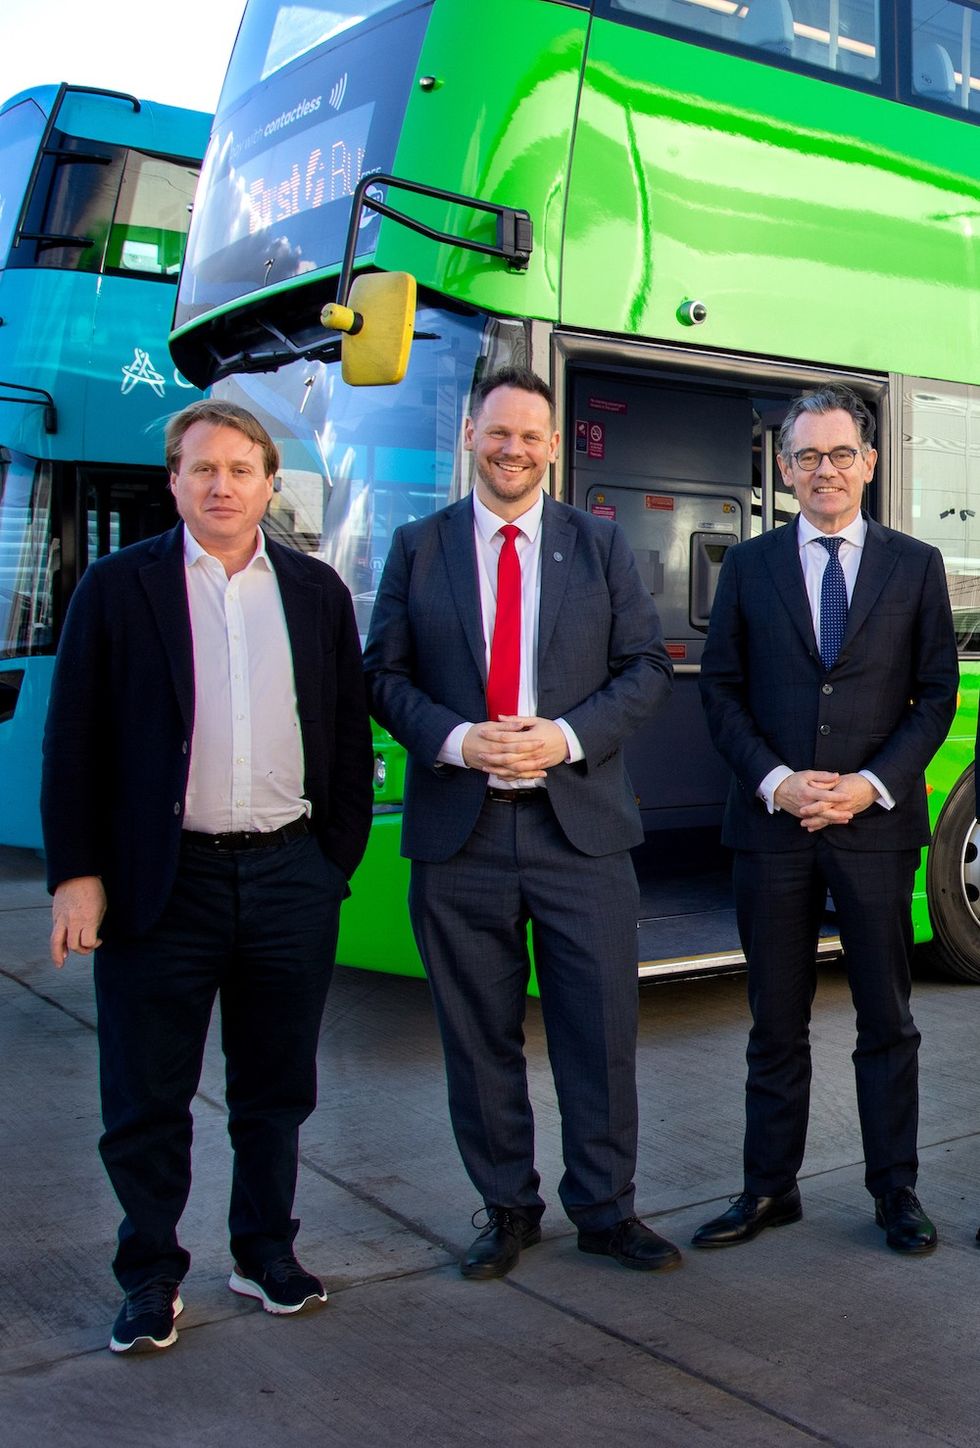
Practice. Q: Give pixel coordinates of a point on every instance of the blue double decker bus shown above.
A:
(95, 196)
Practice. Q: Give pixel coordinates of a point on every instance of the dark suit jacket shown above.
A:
(117, 740)
(886, 705)
(602, 666)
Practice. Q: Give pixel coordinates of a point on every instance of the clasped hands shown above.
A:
(515, 747)
(818, 798)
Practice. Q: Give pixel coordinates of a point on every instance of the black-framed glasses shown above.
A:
(808, 459)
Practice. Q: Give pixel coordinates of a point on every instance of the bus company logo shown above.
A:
(338, 92)
(141, 369)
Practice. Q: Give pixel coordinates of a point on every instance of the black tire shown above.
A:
(953, 885)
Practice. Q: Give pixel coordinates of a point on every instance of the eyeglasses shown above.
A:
(808, 459)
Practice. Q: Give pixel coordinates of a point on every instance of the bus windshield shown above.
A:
(276, 31)
(357, 462)
(285, 156)
(21, 129)
(126, 212)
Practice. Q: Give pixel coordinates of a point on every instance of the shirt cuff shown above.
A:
(770, 784)
(452, 750)
(575, 750)
(884, 798)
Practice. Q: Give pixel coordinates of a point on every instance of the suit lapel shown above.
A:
(557, 545)
(459, 555)
(302, 604)
(166, 588)
(878, 559)
(783, 561)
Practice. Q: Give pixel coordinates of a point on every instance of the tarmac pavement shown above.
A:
(815, 1333)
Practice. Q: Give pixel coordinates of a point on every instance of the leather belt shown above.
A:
(516, 796)
(247, 839)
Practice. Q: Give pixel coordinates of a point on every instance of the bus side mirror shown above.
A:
(378, 324)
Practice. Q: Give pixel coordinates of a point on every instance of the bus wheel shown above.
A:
(953, 884)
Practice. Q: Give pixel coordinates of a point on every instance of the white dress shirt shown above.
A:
(486, 531)
(247, 766)
(814, 558)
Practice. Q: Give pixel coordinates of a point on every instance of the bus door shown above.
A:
(117, 506)
(688, 469)
(673, 467)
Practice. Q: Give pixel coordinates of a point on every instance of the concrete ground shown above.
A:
(812, 1334)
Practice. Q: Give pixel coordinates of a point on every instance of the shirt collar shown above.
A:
(490, 523)
(855, 532)
(193, 552)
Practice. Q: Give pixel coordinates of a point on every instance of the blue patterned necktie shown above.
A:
(833, 604)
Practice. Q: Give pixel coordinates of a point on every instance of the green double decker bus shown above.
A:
(681, 212)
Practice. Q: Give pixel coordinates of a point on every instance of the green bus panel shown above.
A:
(507, 140)
(813, 221)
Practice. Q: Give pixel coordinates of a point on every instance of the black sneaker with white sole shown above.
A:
(281, 1286)
(146, 1318)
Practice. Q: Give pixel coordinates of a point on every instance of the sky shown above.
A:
(175, 52)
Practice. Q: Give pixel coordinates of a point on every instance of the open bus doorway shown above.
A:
(687, 467)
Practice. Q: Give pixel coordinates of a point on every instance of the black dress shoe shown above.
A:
(907, 1228)
(746, 1218)
(632, 1244)
(498, 1246)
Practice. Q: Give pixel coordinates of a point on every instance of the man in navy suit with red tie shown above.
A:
(829, 680)
(512, 650)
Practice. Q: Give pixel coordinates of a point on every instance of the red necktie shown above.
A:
(504, 679)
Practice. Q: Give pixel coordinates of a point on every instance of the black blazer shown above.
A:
(602, 666)
(886, 705)
(117, 739)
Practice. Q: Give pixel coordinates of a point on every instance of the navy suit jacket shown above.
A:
(886, 705)
(602, 666)
(117, 740)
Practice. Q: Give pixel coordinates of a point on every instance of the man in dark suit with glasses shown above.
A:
(829, 680)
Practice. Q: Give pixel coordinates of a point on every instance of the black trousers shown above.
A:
(259, 929)
(780, 900)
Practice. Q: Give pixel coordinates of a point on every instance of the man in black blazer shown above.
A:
(206, 795)
(829, 679)
(525, 816)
